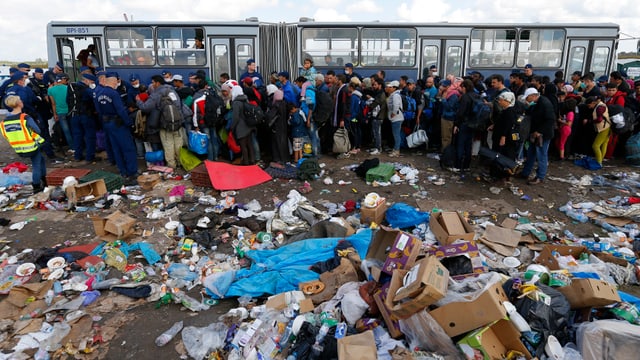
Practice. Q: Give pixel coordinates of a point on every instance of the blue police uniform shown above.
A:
(117, 124)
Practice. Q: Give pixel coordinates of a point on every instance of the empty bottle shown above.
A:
(578, 216)
(166, 336)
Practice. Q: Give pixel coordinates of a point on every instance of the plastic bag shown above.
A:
(198, 142)
(154, 156)
(401, 215)
(188, 160)
(116, 258)
(217, 284)
(200, 341)
(423, 332)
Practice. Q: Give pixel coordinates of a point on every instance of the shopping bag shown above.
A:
(198, 142)
(341, 143)
(417, 137)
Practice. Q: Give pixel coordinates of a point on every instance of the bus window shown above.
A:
(178, 46)
(576, 60)
(340, 44)
(388, 47)
(453, 64)
(244, 52)
(221, 60)
(129, 46)
(429, 57)
(542, 48)
(492, 48)
(599, 61)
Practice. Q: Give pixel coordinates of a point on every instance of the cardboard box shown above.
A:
(281, 301)
(493, 341)
(463, 316)
(389, 319)
(393, 249)
(427, 276)
(89, 191)
(119, 223)
(100, 228)
(376, 214)
(148, 181)
(547, 259)
(443, 223)
(469, 249)
(587, 293)
(432, 285)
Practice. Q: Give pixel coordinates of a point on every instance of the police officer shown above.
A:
(21, 131)
(117, 124)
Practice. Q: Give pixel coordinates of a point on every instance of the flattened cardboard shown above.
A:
(467, 248)
(281, 301)
(439, 226)
(547, 259)
(463, 316)
(494, 341)
(358, 347)
(502, 236)
(403, 253)
(587, 293)
(410, 306)
(389, 319)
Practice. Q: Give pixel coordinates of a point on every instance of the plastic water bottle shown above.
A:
(569, 235)
(578, 216)
(42, 354)
(293, 356)
(605, 225)
(166, 336)
(181, 230)
(488, 253)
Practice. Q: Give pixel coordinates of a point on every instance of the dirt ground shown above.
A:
(130, 327)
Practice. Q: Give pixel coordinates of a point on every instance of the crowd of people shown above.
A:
(128, 119)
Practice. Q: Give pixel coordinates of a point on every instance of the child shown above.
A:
(299, 135)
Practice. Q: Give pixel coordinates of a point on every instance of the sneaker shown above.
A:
(394, 153)
(454, 169)
(375, 152)
(344, 156)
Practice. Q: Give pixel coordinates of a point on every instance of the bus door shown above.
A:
(446, 54)
(600, 56)
(230, 55)
(68, 49)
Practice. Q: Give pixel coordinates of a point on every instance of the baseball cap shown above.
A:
(393, 83)
(177, 77)
(530, 91)
(528, 66)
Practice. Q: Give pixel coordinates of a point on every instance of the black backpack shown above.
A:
(449, 156)
(324, 108)
(74, 98)
(628, 116)
(214, 109)
(170, 113)
(480, 113)
(253, 114)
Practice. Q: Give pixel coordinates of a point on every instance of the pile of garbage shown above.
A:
(361, 279)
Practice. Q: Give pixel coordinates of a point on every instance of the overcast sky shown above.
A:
(23, 33)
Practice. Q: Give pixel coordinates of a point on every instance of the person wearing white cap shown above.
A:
(543, 117)
(394, 106)
(504, 140)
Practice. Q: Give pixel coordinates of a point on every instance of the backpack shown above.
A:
(480, 114)
(214, 109)
(170, 114)
(253, 114)
(308, 169)
(324, 107)
(74, 96)
(409, 107)
(449, 156)
(619, 115)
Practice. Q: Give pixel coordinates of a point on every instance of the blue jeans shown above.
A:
(66, 128)
(540, 153)
(464, 140)
(396, 129)
(84, 137)
(376, 127)
(214, 143)
(315, 138)
(39, 168)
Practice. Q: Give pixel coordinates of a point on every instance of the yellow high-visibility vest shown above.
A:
(19, 136)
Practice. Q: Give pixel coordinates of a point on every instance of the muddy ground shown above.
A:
(130, 327)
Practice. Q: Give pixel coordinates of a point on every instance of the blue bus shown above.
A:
(147, 48)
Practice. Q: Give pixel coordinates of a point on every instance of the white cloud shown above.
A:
(325, 14)
(364, 7)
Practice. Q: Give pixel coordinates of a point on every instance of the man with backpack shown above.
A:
(83, 125)
(165, 103)
(462, 127)
(395, 114)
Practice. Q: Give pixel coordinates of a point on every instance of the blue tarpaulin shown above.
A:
(280, 270)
